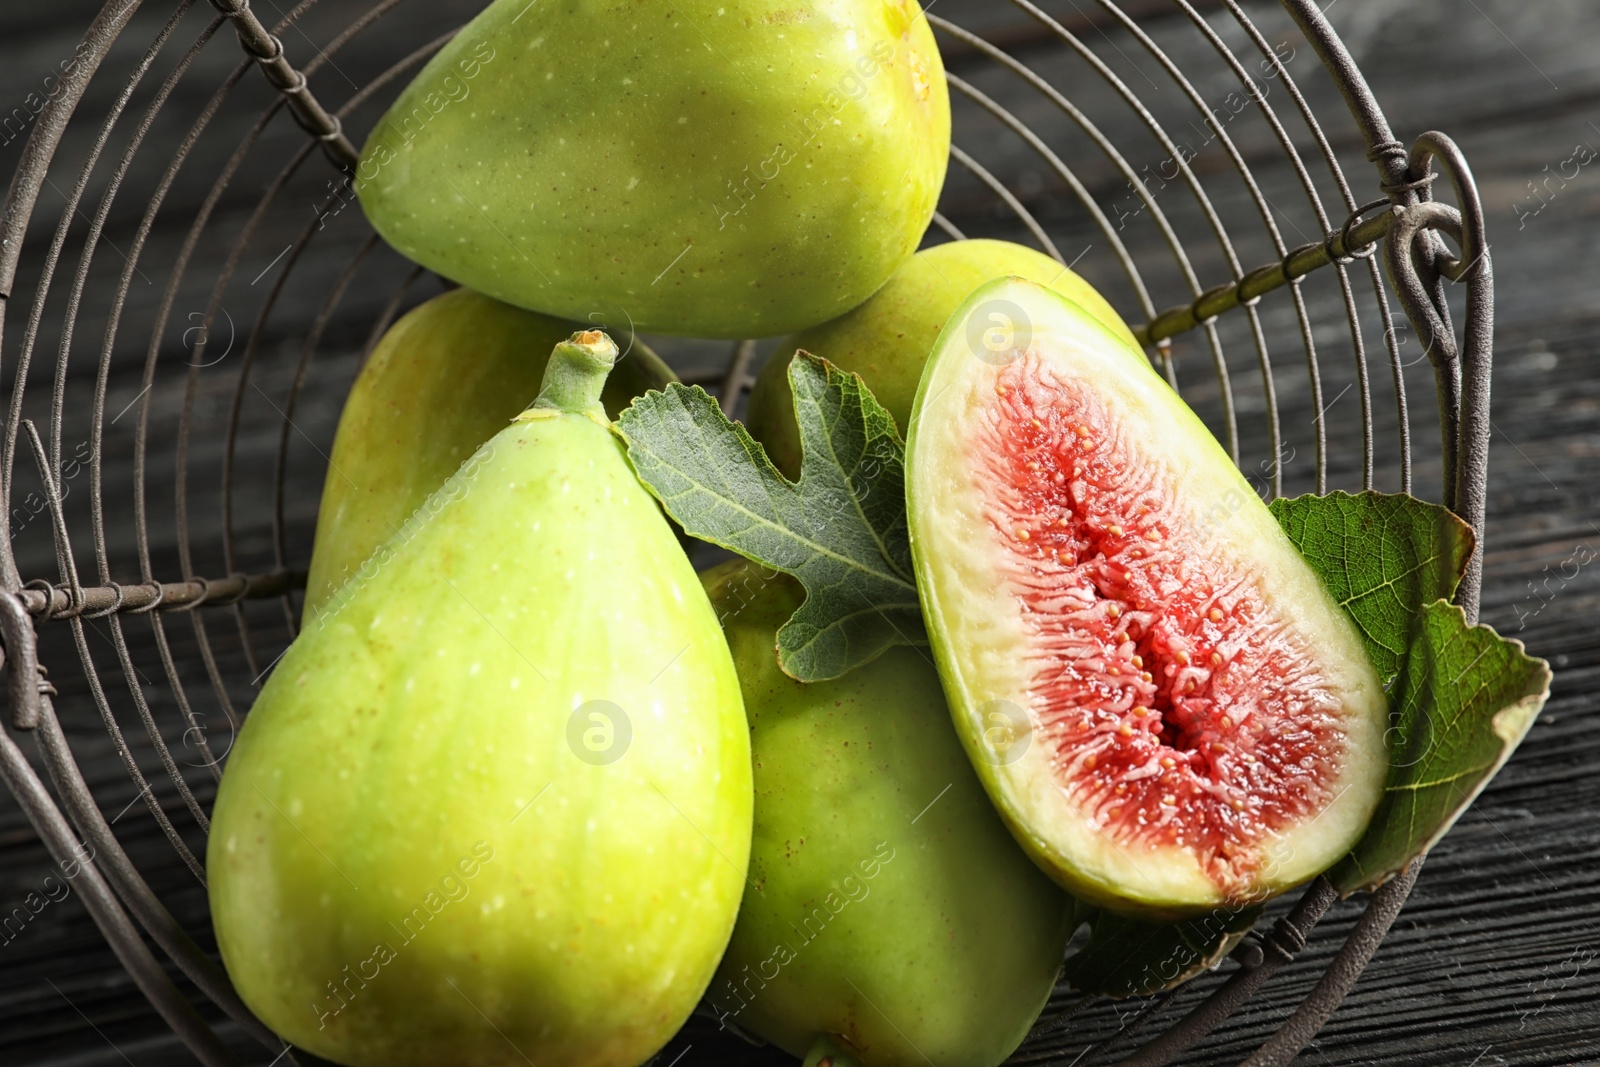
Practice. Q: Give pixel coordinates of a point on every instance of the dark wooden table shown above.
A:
(1495, 959)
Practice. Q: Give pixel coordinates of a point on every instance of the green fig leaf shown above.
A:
(1137, 958)
(1384, 557)
(841, 529)
(1464, 698)
(1461, 697)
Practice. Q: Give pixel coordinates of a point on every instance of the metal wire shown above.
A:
(1157, 214)
(260, 560)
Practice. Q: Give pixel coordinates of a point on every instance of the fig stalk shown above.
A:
(577, 373)
(443, 380)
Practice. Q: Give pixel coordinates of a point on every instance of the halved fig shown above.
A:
(1165, 704)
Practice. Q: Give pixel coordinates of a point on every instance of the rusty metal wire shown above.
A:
(1210, 274)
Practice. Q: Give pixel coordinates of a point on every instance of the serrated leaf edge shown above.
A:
(1511, 724)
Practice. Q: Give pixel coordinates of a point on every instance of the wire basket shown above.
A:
(208, 299)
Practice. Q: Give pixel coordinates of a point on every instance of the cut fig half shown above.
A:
(1163, 701)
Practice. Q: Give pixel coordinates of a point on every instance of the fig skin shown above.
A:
(887, 339)
(443, 380)
(869, 816)
(420, 856)
(983, 650)
(764, 166)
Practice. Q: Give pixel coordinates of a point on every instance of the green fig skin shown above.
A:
(420, 856)
(888, 905)
(765, 165)
(443, 380)
(887, 339)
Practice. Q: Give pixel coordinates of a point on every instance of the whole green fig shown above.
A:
(890, 918)
(443, 380)
(763, 166)
(887, 339)
(493, 805)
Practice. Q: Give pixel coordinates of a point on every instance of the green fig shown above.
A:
(443, 380)
(891, 919)
(493, 806)
(1194, 720)
(762, 166)
(887, 339)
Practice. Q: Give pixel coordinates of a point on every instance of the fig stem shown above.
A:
(576, 373)
(826, 1051)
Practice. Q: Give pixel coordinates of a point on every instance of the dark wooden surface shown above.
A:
(1496, 958)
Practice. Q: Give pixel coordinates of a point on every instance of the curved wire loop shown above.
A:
(30, 692)
(1417, 264)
